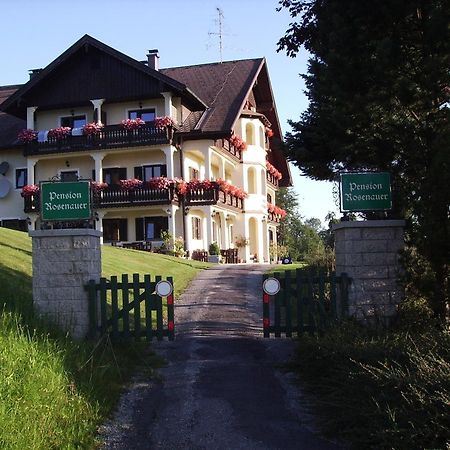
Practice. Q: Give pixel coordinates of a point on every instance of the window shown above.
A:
(115, 230)
(193, 174)
(113, 175)
(269, 198)
(147, 115)
(145, 173)
(21, 178)
(249, 134)
(196, 228)
(69, 175)
(73, 121)
(149, 228)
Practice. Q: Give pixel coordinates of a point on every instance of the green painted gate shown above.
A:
(307, 301)
(131, 309)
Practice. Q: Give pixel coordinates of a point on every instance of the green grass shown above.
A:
(284, 267)
(379, 389)
(54, 392)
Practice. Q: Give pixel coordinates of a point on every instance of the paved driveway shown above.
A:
(223, 387)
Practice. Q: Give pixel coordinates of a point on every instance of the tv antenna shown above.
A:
(220, 32)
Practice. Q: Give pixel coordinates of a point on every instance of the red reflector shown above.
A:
(265, 298)
(266, 323)
(170, 325)
(170, 300)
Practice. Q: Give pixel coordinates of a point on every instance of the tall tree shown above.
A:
(378, 84)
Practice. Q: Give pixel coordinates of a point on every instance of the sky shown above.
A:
(185, 32)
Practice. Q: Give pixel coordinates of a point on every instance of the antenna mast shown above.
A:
(220, 33)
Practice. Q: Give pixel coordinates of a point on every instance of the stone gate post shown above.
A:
(63, 262)
(368, 251)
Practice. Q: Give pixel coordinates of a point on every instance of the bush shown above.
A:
(380, 389)
(214, 249)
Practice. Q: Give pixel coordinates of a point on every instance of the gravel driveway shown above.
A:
(222, 388)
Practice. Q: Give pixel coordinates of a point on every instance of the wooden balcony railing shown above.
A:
(116, 197)
(272, 217)
(225, 145)
(213, 196)
(112, 136)
(271, 179)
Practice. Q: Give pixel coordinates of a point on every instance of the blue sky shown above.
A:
(34, 33)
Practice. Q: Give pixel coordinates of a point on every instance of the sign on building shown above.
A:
(368, 191)
(65, 201)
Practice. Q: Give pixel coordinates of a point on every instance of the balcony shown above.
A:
(111, 136)
(213, 196)
(271, 179)
(226, 146)
(273, 217)
(116, 197)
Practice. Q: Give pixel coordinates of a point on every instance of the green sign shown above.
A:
(65, 200)
(368, 191)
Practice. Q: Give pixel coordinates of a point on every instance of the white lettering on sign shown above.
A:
(64, 196)
(365, 187)
(353, 197)
(65, 206)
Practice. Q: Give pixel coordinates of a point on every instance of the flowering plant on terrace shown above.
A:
(269, 132)
(60, 132)
(98, 186)
(160, 183)
(276, 210)
(29, 190)
(130, 185)
(132, 124)
(92, 128)
(27, 135)
(238, 142)
(165, 121)
(274, 172)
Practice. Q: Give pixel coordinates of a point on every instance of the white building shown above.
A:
(215, 126)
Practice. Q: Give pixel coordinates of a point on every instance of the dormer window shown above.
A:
(73, 121)
(147, 115)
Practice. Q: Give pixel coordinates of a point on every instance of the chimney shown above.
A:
(34, 72)
(153, 59)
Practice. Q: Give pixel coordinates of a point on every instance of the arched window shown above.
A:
(250, 134)
(262, 137)
(251, 179)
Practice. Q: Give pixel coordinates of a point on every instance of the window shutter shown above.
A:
(139, 221)
(93, 175)
(104, 116)
(138, 173)
(163, 170)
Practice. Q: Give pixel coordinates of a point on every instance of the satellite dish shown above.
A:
(5, 186)
(4, 166)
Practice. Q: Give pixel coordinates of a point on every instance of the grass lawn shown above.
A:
(54, 392)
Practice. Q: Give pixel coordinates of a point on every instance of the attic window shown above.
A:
(147, 115)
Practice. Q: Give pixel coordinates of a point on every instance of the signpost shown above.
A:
(370, 191)
(62, 201)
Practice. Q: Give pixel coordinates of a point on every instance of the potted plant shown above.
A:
(214, 253)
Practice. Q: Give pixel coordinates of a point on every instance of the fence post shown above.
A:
(170, 312)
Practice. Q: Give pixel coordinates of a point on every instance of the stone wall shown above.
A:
(63, 262)
(369, 253)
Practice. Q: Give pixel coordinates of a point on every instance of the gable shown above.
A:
(91, 70)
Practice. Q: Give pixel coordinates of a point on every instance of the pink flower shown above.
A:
(130, 185)
(132, 124)
(236, 141)
(269, 132)
(30, 190)
(161, 122)
(92, 128)
(27, 135)
(60, 132)
(98, 186)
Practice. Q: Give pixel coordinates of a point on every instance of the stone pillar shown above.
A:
(63, 262)
(369, 253)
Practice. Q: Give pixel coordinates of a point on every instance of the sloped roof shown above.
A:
(222, 86)
(9, 125)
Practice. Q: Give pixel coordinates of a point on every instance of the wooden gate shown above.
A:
(306, 302)
(131, 309)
